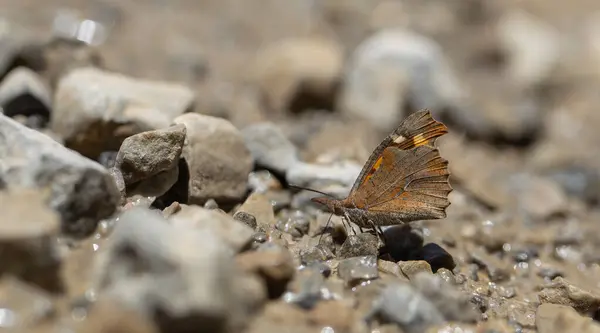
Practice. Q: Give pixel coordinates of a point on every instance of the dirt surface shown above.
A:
(147, 148)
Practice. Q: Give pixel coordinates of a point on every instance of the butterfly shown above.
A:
(405, 178)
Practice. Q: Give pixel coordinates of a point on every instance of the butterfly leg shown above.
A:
(378, 231)
(350, 225)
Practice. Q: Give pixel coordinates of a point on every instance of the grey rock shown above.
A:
(562, 291)
(193, 268)
(364, 244)
(388, 65)
(23, 92)
(537, 196)
(305, 174)
(358, 269)
(217, 158)
(307, 288)
(146, 154)
(270, 148)
(28, 229)
(453, 304)
(401, 304)
(316, 254)
(95, 111)
(581, 181)
(237, 235)
(82, 191)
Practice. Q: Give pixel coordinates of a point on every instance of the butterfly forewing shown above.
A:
(418, 129)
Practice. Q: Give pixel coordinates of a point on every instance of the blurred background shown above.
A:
(519, 74)
(516, 81)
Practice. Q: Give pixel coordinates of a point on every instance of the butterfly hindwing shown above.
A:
(413, 184)
(418, 129)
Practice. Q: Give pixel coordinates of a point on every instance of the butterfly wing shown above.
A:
(412, 184)
(418, 129)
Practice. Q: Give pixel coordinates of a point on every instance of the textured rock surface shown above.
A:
(217, 158)
(81, 190)
(146, 154)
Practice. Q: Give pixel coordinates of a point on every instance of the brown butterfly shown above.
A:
(405, 178)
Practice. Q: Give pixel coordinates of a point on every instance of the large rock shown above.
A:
(95, 111)
(389, 68)
(235, 234)
(81, 190)
(217, 158)
(181, 277)
(270, 148)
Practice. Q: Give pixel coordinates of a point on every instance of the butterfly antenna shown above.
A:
(326, 225)
(311, 190)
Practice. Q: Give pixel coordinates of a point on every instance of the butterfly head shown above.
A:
(333, 205)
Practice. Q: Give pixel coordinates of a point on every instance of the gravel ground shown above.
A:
(147, 148)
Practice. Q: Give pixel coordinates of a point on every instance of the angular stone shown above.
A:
(174, 275)
(146, 154)
(358, 269)
(412, 268)
(401, 304)
(364, 244)
(562, 292)
(270, 148)
(82, 191)
(217, 159)
(95, 111)
(234, 233)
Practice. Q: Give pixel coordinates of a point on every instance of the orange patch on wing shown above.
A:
(373, 169)
(422, 139)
